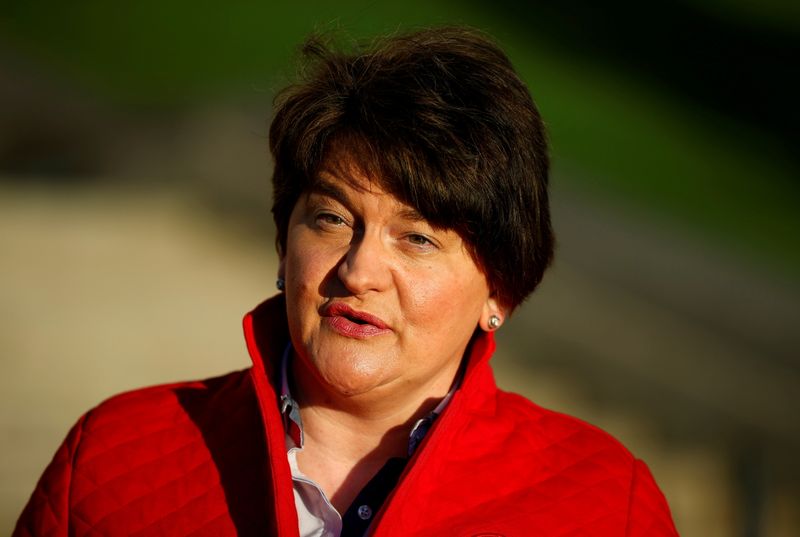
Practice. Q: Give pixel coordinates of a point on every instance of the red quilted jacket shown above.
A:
(208, 458)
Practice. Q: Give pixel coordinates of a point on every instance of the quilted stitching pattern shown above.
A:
(649, 513)
(529, 471)
(184, 459)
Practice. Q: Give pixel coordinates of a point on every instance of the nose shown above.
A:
(365, 266)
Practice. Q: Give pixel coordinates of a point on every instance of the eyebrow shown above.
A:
(329, 189)
(412, 214)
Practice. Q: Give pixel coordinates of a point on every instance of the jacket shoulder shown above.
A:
(588, 464)
(522, 469)
(144, 411)
(156, 460)
(542, 428)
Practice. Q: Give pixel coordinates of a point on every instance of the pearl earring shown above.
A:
(494, 322)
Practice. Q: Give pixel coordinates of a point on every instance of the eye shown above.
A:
(420, 241)
(330, 219)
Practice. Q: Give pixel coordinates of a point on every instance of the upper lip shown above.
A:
(341, 309)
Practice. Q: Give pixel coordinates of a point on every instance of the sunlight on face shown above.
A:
(378, 300)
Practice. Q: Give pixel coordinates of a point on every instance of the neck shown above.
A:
(375, 424)
(347, 438)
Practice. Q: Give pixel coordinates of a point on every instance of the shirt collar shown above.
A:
(293, 424)
(289, 408)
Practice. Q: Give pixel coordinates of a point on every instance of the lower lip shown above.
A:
(346, 327)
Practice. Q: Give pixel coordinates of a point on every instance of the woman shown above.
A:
(410, 199)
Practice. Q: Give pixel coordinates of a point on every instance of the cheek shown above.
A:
(306, 267)
(300, 268)
(445, 298)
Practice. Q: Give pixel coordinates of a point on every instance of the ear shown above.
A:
(493, 315)
(280, 283)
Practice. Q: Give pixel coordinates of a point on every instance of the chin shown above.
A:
(352, 376)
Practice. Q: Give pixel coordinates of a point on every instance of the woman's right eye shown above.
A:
(330, 219)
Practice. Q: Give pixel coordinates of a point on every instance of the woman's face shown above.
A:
(377, 299)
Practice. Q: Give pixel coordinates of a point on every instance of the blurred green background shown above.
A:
(133, 157)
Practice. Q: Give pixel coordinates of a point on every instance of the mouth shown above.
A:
(353, 323)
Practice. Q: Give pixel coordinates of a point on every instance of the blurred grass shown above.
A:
(152, 52)
(704, 174)
(613, 133)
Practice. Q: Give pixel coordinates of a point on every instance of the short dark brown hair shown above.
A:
(438, 118)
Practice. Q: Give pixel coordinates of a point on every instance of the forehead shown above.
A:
(342, 166)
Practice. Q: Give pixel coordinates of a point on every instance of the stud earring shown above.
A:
(280, 283)
(494, 322)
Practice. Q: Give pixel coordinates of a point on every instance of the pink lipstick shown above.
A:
(352, 323)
